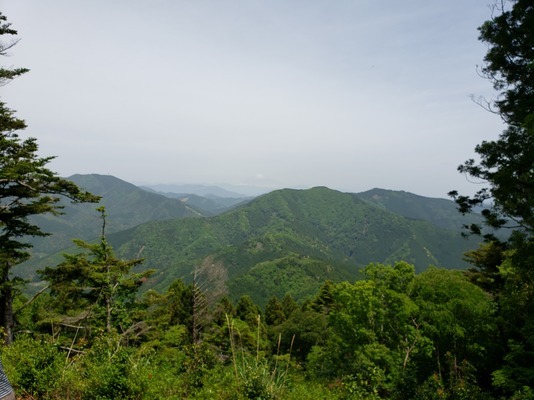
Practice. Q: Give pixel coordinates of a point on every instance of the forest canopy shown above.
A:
(393, 334)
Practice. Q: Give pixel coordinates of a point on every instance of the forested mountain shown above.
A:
(126, 206)
(287, 241)
(338, 230)
(440, 212)
(400, 331)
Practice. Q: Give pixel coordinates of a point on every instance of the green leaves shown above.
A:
(503, 268)
(508, 62)
(97, 283)
(27, 188)
(394, 329)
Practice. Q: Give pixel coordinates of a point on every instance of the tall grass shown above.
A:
(257, 377)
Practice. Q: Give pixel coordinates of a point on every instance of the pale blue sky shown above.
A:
(346, 94)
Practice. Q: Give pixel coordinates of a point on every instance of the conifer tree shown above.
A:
(506, 165)
(100, 285)
(27, 188)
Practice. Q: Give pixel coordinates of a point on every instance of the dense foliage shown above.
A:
(337, 230)
(320, 226)
(393, 334)
(504, 267)
(506, 163)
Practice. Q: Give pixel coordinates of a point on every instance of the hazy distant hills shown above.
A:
(286, 241)
(208, 204)
(207, 191)
(126, 206)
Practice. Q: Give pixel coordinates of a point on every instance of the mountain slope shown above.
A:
(339, 229)
(209, 205)
(440, 212)
(126, 206)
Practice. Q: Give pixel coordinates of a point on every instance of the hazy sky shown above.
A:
(283, 93)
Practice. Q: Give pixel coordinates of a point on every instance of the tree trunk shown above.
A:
(108, 314)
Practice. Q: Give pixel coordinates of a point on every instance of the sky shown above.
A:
(351, 95)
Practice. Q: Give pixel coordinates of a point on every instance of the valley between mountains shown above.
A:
(283, 242)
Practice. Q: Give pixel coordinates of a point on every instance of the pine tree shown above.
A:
(99, 285)
(504, 268)
(506, 163)
(27, 188)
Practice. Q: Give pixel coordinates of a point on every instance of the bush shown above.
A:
(109, 370)
(40, 369)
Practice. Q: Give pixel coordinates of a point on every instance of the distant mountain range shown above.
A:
(229, 191)
(209, 204)
(286, 241)
(126, 206)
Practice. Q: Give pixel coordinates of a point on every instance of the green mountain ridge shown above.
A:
(440, 212)
(296, 238)
(337, 229)
(126, 206)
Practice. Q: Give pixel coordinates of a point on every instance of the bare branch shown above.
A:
(31, 300)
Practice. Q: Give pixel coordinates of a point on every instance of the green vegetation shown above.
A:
(27, 188)
(393, 334)
(504, 268)
(440, 212)
(126, 205)
(320, 225)
(297, 276)
(297, 324)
